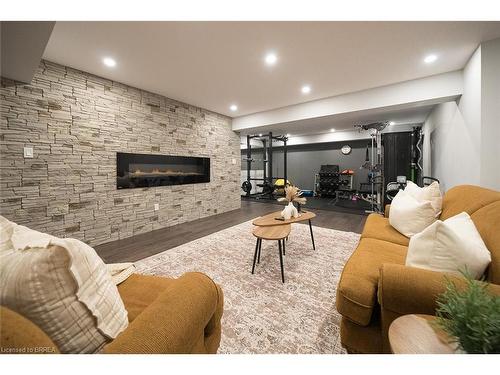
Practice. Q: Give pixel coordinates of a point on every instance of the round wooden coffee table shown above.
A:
(275, 233)
(414, 334)
(274, 219)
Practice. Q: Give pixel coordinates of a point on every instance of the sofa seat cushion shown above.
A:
(357, 291)
(139, 291)
(378, 227)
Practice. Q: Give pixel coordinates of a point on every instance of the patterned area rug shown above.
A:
(261, 314)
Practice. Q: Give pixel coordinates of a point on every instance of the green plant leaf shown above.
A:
(470, 315)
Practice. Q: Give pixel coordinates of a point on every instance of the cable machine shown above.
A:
(268, 180)
(374, 163)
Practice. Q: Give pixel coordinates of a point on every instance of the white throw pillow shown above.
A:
(409, 216)
(62, 286)
(428, 193)
(450, 246)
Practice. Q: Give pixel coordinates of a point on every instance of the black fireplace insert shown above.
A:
(144, 170)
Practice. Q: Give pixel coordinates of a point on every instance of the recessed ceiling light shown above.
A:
(306, 89)
(271, 58)
(332, 130)
(108, 61)
(233, 107)
(392, 123)
(430, 59)
(260, 135)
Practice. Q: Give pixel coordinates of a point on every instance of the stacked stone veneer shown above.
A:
(76, 123)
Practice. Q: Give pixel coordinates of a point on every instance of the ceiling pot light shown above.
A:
(233, 107)
(430, 59)
(271, 58)
(392, 123)
(108, 61)
(332, 130)
(306, 89)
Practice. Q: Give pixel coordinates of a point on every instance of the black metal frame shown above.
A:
(267, 152)
(282, 251)
(125, 179)
(312, 236)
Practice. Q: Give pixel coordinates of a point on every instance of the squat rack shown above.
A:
(267, 147)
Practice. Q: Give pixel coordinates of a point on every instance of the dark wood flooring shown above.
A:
(143, 245)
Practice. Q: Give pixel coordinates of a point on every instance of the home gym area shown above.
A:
(355, 169)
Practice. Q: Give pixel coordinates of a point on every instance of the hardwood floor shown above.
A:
(143, 245)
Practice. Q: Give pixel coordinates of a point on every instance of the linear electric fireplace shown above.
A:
(144, 170)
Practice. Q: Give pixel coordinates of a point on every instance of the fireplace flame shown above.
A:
(168, 172)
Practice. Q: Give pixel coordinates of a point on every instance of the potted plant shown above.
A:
(470, 315)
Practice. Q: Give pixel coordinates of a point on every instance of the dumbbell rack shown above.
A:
(328, 180)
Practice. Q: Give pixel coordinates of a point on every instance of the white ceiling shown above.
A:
(216, 64)
(408, 115)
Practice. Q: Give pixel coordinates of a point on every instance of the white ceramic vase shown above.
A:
(289, 211)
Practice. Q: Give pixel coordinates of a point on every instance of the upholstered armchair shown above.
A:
(165, 316)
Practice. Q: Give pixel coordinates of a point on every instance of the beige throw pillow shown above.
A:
(409, 216)
(450, 246)
(62, 286)
(430, 193)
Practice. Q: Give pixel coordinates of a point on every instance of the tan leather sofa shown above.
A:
(376, 287)
(165, 316)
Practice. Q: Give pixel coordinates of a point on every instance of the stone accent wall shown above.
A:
(76, 122)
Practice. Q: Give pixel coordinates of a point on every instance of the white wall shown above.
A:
(461, 138)
(470, 107)
(452, 133)
(490, 119)
(447, 141)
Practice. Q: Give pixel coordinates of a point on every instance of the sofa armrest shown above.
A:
(408, 290)
(187, 311)
(386, 210)
(19, 335)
